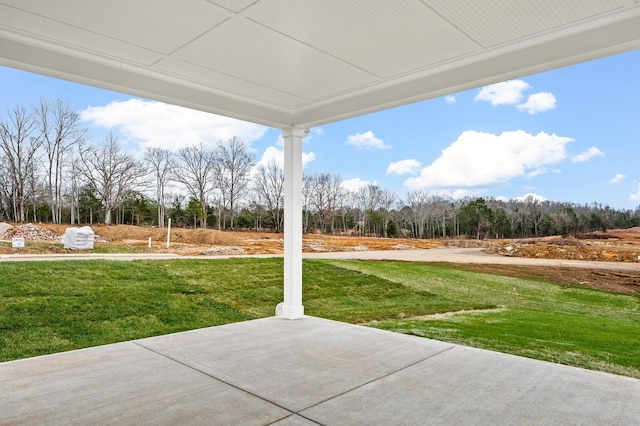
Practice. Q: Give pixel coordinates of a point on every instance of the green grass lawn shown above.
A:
(571, 325)
(48, 307)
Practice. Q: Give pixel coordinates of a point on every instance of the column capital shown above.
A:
(299, 132)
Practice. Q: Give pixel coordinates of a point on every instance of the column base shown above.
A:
(289, 311)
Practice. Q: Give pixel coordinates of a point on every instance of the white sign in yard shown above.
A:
(17, 242)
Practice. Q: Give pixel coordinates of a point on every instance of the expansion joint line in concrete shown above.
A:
(380, 378)
(211, 376)
(293, 412)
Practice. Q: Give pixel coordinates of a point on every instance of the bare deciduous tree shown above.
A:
(112, 173)
(419, 202)
(535, 213)
(307, 194)
(233, 162)
(441, 211)
(368, 200)
(73, 190)
(160, 163)
(194, 169)
(5, 189)
(269, 184)
(387, 199)
(325, 193)
(20, 147)
(60, 130)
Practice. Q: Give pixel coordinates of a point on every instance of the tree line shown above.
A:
(50, 172)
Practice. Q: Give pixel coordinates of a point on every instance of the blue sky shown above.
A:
(571, 134)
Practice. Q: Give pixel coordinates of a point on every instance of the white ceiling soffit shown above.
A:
(306, 62)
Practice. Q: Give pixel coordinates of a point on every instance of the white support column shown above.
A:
(292, 307)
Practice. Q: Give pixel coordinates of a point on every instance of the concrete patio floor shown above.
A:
(305, 372)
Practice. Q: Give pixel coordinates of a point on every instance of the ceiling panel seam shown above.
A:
(567, 29)
(77, 28)
(552, 30)
(226, 88)
(453, 25)
(106, 36)
(192, 40)
(316, 49)
(36, 40)
(240, 12)
(308, 101)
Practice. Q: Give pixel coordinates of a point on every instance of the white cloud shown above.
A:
(404, 167)
(477, 159)
(366, 140)
(355, 184)
(450, 99)
(156, 124)
(587, 155)
(512, 92)
(636, 195)
(504, 93)
(536, 172)
(460, 193)
(538, 102)
(529, 197)
(308, 157)
(272, 153)
(541, 171)
(619, 177)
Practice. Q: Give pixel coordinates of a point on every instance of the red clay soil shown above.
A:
(619, 281)
(614, 245)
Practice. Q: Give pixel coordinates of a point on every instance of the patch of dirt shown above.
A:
(333, 243)
(178, 235)
(619, 281)
(444, 315)
(613, 245)
(272, 243)
(619, 234)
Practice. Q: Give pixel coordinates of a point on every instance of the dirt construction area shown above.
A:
(618, 246)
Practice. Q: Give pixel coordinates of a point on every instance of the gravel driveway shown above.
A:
(452, 255)
(469, 255)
